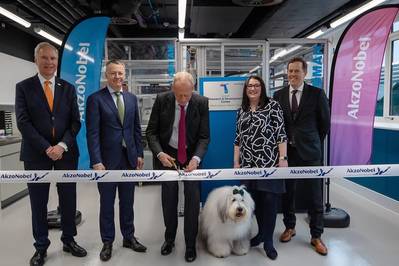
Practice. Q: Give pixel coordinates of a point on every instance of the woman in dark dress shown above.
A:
(261, 142)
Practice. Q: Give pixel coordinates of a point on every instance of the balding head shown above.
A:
(183, 87)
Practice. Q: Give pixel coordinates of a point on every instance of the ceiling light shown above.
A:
(182, 13)
(47, 35)
(314, 35)
(181, 34)
(14, 17)
(284, 52)
(355, 13)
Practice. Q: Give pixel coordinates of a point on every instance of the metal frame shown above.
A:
(222, 43)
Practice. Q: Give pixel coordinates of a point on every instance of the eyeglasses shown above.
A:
(256, 86)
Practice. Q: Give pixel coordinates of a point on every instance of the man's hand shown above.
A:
(98, 167)
(55, 152)
(140, 163)
(192, 165)
(166, 159)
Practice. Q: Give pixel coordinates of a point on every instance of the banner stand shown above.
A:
(334, 217)
(356, 73)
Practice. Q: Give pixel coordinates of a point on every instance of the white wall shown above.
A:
(12, 70)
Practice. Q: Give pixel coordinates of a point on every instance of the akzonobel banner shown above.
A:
(82, 55)
(355, 75)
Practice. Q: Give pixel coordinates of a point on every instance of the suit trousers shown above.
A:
(170, 194)
(266, 213)
(313, 199)
(39, 195)
(107, 192)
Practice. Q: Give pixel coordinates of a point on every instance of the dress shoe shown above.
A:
(271, 252)
(74, 249)
(167, 247)
(255, 241)
(106, 252)
(319, 246)
(190, 254)
(38, 258)
(287, 235)
(134, 244)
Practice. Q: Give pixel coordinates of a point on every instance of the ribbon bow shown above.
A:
(238, 191)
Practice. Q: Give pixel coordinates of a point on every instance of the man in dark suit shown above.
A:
(48, 119)
(307, 122)
(178, 134)
(114, 143)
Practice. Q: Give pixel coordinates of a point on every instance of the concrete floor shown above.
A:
(371, 239)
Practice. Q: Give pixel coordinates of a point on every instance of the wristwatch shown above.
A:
(285, 158)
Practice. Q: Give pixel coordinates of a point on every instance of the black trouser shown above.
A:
(266, 212)
(39, 195)
(107, 192)
(313, 199)
(170, 196)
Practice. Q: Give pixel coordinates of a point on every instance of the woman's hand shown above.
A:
(282, 163)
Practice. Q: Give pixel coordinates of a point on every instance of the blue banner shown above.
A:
(80, 65)
(222, 124)
(317, 66)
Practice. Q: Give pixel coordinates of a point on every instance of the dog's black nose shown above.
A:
(239, 209)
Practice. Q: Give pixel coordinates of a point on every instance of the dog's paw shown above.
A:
(219, 251)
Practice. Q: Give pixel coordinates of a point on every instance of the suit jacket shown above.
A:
(311, 124)
(35, 121)
(160, 125)
(105, 131)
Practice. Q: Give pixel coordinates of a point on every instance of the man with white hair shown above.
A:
(178, 135)
(48, 119)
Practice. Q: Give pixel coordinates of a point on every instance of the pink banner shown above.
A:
(355, 85)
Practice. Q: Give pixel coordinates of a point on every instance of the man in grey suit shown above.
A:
(178, 134)
(307, 122)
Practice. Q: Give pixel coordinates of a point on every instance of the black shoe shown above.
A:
(134, 244)
(190, 255)
(167, 247)
(74, 249)
(256, 241)
(38, 258)
(271, 252)
(106, 252)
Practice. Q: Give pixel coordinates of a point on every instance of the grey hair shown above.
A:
(41, 46)
(183, 75)
(114, 61)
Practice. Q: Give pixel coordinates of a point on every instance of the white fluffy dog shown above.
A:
(226, 221)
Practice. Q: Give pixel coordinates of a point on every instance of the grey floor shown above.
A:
(371, 239)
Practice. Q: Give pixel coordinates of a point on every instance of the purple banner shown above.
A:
(358, 61)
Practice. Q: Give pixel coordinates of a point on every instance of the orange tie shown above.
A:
(49, 94)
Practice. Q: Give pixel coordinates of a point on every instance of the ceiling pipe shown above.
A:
(69, 9)
(29, 6)
(45, 7)
(58, 9)
(75, 8)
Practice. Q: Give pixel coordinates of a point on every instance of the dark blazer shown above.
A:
(35, 120)
(311, 124)
(105, 131)
(160, 125)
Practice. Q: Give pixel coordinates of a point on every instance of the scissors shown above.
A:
(177, 168)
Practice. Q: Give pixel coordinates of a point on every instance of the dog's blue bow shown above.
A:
(238, 191)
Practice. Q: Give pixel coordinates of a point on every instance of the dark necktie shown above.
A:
(120, 106)
(294, 104)
(181, 143)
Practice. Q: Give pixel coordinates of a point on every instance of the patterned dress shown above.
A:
(258, 134)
